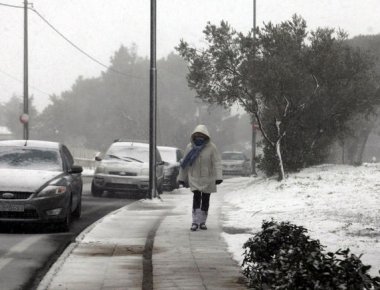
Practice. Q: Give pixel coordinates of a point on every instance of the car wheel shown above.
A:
(96, 191)
(78, 211)
(159, 189)
(174, 184)
(65, 225)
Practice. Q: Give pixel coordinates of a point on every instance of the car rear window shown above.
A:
(232, 156)
(30, 158)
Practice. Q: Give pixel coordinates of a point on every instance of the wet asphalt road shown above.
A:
(28, 251)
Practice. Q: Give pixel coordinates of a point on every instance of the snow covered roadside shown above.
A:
(338, 204)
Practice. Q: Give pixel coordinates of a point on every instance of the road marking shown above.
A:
(18, 248)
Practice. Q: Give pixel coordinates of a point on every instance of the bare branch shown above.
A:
(287, 106)
(316, 83)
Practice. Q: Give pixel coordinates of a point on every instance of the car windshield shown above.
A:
(232, 156)
(139, 154)
(30, 158)
(168, 155)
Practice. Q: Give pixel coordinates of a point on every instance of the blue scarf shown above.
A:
(193, 154)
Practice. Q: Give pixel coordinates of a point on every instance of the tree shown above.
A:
(301, 91)
(115, 105)
(13, 110)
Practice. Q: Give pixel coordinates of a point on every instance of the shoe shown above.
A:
(203, 227)
(194, 227)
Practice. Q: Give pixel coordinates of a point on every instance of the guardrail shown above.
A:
(84, 157)
(85, 162)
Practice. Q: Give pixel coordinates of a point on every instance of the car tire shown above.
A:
(96, 191)
(159, 189)
(64, 226)
(78, 211)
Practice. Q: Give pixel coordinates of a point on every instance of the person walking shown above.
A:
(201, 170)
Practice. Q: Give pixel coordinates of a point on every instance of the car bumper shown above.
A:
(233, 172)
(121, 183)
(42, 209)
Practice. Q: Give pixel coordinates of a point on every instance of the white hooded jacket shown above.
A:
(206, 168)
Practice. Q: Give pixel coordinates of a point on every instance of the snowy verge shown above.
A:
(338, 204)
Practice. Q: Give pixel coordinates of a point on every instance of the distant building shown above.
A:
(5, 134)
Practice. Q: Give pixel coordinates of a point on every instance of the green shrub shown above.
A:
(282, 256)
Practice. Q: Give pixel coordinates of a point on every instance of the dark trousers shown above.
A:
(201, 200)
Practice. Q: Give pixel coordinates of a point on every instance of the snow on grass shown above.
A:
(338, 204)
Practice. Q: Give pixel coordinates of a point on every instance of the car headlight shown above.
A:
(100, 169)
(52, 190)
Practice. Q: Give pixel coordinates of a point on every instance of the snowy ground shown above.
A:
(338, 204)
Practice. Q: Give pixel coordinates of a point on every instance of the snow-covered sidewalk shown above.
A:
(338, 204)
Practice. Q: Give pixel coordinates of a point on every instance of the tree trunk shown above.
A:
(361, 143)
(281, 164)
(278, 150)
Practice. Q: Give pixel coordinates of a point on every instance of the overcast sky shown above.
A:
(99, 27)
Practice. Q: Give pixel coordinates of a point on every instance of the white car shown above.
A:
(235, 163)
(125, 168)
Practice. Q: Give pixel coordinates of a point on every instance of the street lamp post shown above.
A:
(152, 103)
(254, 129)
(26, 92)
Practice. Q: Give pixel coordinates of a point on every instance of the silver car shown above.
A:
(39, 183)
(235, 163)
(125, 168)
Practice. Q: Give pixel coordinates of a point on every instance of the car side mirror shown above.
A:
(160, 163)
(76, 169)
(98, 156)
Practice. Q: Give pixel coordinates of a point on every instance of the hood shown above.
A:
(25, 180)
(123, 165)
(201, 129)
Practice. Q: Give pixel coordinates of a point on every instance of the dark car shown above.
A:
(235, 163)
(171, 156)
(125, 168)
(39, 183)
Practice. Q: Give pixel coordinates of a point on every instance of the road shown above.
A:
(27, 252)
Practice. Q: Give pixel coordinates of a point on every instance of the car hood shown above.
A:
(120, 164)
(25, 180)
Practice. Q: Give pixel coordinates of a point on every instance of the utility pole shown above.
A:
(24, 118)
(152, 103)
(254, 129)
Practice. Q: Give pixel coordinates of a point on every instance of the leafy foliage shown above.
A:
(283, 256)
(10, 113)
(301, 87)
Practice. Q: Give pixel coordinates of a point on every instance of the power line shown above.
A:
(9, 5)
(79, 49)
(20, 81)
(73, 44)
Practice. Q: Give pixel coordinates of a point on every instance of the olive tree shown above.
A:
(300, 87)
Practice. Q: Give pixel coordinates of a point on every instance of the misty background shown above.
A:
(78, 102)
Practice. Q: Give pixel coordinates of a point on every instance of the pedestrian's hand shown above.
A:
(219, 181)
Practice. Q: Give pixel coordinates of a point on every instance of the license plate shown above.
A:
(11, 207)
(121, 180)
